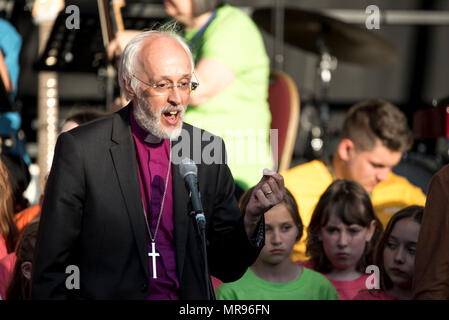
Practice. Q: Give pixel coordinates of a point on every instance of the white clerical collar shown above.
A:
(152, 139)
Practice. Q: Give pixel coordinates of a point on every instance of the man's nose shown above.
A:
(174, 96)
(382, 174)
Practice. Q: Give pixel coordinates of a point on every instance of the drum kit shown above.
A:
(331, 40)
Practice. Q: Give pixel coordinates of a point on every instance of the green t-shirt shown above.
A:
(311, 285)
(240, 113)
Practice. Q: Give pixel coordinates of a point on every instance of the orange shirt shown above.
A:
(23, 217)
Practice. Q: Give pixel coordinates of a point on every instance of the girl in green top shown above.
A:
(274, 276)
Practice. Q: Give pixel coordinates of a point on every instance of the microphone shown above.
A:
(189, 171)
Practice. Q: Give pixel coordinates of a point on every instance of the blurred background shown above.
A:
(325, 46)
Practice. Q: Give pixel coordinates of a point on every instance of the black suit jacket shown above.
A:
(92, 217)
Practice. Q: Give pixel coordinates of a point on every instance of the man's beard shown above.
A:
(150, 121)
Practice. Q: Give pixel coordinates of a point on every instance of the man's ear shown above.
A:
(128, 88)
(26, 269)
(345, 149)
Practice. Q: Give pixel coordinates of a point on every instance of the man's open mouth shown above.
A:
(172, 117)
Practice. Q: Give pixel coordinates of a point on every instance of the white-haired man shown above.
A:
(117, 208)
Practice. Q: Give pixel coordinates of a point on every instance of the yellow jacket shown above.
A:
(308, 181)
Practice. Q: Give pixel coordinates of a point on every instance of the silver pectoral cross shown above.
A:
(153, 254)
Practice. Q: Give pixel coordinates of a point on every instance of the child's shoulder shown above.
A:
(319, 283)
(316, 278)
(312, 274)
(309, 272)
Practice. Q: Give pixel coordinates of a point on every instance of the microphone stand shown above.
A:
(201, 227)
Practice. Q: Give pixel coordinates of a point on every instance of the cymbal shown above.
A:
(347, 42)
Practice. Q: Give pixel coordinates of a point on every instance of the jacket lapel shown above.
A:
(125, 164)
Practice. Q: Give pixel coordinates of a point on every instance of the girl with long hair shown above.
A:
(8, 228)
(342, 235)
(395, 256)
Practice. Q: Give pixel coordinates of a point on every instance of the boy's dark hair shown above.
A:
(377, 120)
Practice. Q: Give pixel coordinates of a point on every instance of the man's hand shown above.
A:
(266, 194)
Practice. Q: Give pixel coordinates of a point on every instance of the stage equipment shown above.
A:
(331, 40)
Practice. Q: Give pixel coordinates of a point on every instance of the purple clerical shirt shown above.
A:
(153, 159)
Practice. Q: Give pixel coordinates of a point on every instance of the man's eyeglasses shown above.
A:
(165, 86)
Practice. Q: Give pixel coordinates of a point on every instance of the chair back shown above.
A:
(283, 98)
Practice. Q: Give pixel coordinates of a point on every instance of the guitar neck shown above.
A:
(118, 19)
(111, 19)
